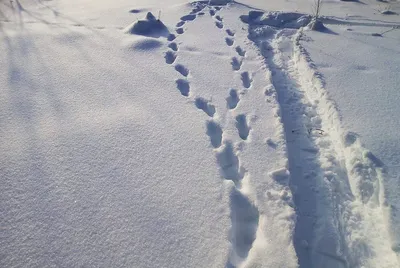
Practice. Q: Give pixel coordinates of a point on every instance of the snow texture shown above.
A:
(215, 134)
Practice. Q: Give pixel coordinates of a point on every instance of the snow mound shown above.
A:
(316, 25)
(277, 19)
(150, 26)
(145, 44)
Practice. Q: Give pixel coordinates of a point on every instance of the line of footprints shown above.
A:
(244, 214)
(183, 85)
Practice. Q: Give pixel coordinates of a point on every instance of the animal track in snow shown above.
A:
(242, 126)
(182, 69)
(219, 24)
(179, 30)
(240, 51)
(173, 46)
(171, 37)
(229, 165)
(170, 57)
(212, 12)
(206, 106)
(236, 64)
(229, 32)
(218, 17)
(180, 24)
(229, 41)
(233, 99)
(246, 79)
(214, 131)
(183, 86)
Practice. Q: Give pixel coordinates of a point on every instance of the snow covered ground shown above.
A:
(224, 135)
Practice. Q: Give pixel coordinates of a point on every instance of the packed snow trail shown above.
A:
(340, 220)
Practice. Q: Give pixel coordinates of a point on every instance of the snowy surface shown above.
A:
(211, 134)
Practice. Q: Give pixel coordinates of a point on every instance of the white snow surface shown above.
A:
(233, 137)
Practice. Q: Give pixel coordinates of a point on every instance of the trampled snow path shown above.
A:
(337, 191)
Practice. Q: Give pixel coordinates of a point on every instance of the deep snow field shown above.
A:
(225, 134)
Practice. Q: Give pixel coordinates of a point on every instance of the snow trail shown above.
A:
(370, 236)
(244, 214)
(340, 221)
(302, 149)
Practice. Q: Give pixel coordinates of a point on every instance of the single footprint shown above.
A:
(189, 17)
(218, 17)
(233, 99)
(350, 138)
(183, 86)
(173, 46)
(229, 41)
(170, 57)
(218, 8)
(214, 131)
(182, 70)
(245, 219)
(219, 24)
(240, 51)
(179, 30)
(246, 79)
(180, 24)
(229, 32)
(212, 12)
(242, 126)
(206, 106)
(236, 64)
(171, 37)
(229, 164)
